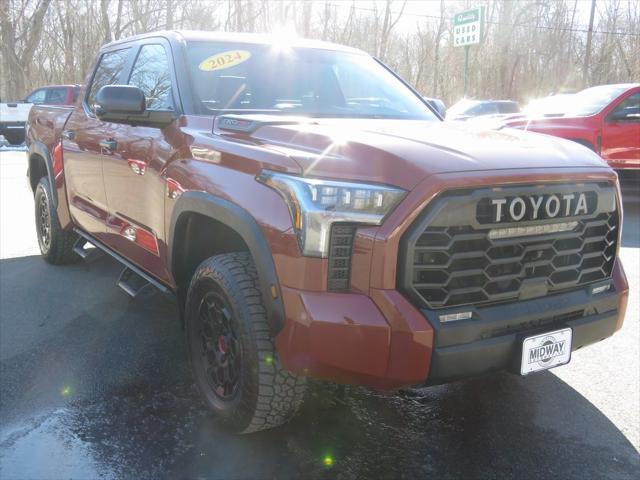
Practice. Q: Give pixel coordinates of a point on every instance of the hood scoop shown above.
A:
(248, 124)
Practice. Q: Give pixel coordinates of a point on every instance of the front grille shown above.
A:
(532, 324)
(340, 251)
(458, 264)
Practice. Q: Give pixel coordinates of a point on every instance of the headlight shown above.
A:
(316, 204)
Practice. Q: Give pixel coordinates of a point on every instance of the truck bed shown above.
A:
(46, 123)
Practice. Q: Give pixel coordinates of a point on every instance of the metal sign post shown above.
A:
(466, 68)
(468, 28)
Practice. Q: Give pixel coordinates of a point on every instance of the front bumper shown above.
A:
(383, 341)
(375, 336)
(492, 340)
(346, 338)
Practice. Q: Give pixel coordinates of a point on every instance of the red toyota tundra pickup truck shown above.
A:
(605, 119)
(315, 218)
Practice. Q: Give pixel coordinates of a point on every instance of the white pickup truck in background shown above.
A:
(13, 117)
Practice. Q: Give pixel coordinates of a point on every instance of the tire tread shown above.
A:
(62, 241)
(278, 393)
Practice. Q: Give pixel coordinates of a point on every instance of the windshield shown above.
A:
(462, 107)
(242, 78)
(592, 100)
(554, 104)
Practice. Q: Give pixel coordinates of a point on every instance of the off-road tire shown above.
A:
(266, 394)
(59, 248)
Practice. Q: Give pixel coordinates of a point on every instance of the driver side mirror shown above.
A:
(127, 104)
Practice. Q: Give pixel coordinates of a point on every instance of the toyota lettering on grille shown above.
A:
(536, 207)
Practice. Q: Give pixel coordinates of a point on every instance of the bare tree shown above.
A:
(529, 47)
(20, 37)
(387, 26)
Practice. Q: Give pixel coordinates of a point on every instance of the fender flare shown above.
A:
(241, 221)
(41, 150)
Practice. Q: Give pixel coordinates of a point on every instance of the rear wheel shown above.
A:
(56, 244)
(231, 350)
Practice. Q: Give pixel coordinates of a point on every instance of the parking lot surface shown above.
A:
(96, 385)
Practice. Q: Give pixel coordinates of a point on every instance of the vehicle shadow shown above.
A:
(100, 381)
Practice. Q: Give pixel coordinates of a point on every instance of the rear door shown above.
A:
(87, 142)
(621, 138)
(134, 180)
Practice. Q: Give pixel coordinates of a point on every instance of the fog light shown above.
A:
(451, 317)
(499, 233)
(600, 289)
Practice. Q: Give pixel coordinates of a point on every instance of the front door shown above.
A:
(621, 134)
(134, 177)
(86, 145)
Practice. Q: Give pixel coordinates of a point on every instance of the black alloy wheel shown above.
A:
(221, 351)
(43, 223)
(231, 349)
(56, 243)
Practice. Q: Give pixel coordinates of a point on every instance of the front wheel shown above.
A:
(231, 351)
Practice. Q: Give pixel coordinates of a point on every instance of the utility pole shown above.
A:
(466, 69)
(587, 54)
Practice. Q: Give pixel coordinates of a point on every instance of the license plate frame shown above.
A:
(546, 350)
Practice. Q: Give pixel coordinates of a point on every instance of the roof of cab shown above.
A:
(248, 38)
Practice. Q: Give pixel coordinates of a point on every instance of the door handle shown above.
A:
(68, 134)
(109, 145)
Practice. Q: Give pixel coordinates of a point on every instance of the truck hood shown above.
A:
(403, 153)
(538, 122)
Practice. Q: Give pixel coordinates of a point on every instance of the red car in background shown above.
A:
(54, 95)
(605, 119)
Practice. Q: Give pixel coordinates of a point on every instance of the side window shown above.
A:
(508, 107)
(37, 97)
(108, 73)
(151, 73)
(630, 107)
(489, 109)
(485, 108)
(476, 110)
(56, 96)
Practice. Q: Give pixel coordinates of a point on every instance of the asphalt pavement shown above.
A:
(96, 385)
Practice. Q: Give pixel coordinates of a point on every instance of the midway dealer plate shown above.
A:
(546, 350)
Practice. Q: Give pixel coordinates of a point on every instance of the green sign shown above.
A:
(467, 17)
(468, 27)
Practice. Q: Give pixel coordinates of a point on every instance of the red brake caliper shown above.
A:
(222, 344)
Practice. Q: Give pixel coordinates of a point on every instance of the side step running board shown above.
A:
(132, 279)
(132, 283)
(80, 249)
